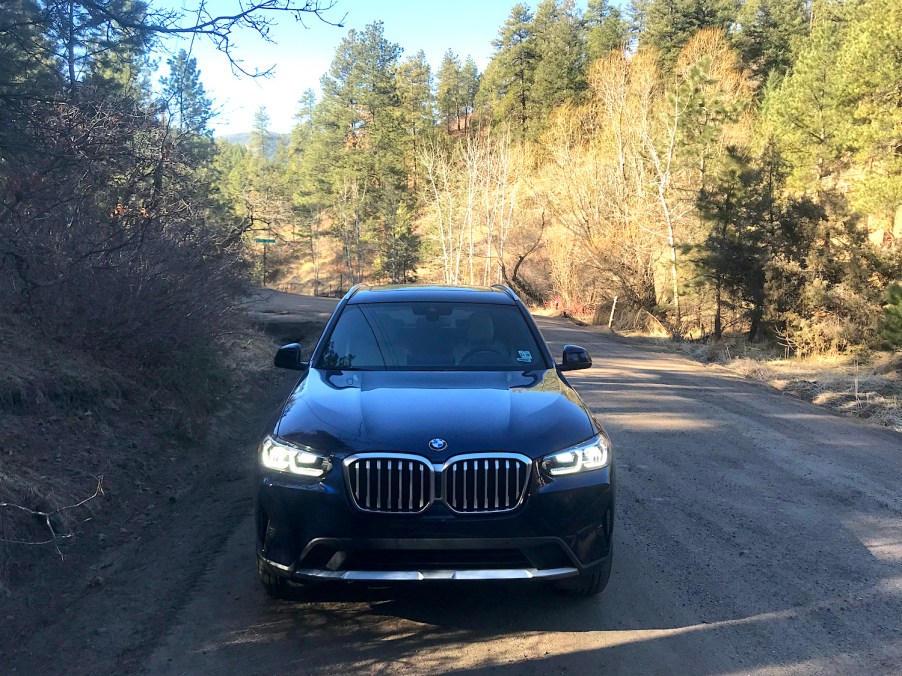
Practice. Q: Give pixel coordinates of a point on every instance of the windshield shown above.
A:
(423, 336)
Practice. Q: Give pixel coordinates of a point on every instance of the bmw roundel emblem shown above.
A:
(438, 445)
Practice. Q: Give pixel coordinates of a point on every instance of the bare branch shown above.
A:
(47, 516)
(256, 16)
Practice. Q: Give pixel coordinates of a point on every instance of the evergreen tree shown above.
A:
(637, 14)
(301, 187)
(456, 90)
(770, 32)
(607, 29)
(734, 254)
(806, 113)
(755, 229)
(824, 296)
(262, 142)
(505, 90)
(449, 87)
(306, 108)
(357, 154)
(28, 73)
(709, 93)
(27, 64)
(414, 80)
(103, 43)
(669, 24)
(469, 87)
(559, 59)
(869, 70)
(190, 109)
(418, 106)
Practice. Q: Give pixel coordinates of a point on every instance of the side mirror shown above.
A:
(289, 357)
(575, 357)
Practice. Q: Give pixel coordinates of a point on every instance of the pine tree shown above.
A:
(637, 14)
(734, 254)
(262, 142)
(417, 107)
(806, 113)
(448, 90)
(607, 29)
(505, 90)
(770, 32)
(869, 69)
(669, 24)
(27, 64)
(190, 109)
(709, 94)
(103, 44)
(469, 87)
(357, 155)
(414, 81)
(755, 232)
(559, 60)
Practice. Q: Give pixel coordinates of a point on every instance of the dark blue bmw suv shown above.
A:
(432, 436)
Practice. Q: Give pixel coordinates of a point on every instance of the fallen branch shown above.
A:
(47, 516)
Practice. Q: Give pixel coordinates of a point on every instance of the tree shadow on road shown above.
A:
(753, 532)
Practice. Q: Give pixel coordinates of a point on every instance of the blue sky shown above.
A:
(301, 56)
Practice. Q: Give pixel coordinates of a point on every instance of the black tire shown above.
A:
(276, 587)
(588, 584)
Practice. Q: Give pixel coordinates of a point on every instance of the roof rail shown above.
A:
(505, 289)
(354, 289)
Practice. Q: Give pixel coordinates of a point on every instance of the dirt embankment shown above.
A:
(110, 570)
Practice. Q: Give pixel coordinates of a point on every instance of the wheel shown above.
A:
(588, 584)
(276, 587)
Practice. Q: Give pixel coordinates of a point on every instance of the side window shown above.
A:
(352, 343)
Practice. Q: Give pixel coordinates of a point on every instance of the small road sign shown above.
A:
(265, 241)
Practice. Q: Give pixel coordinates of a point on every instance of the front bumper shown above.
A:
(312, 531)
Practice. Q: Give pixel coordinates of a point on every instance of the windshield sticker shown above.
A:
(525, 355)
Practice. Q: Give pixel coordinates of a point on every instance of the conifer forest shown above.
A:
(716, 166)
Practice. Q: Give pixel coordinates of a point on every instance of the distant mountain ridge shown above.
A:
(240, 138)
(243, 138)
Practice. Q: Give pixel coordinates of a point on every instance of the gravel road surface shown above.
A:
(756, 533)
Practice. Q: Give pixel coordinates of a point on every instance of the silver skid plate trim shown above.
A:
(419, 575)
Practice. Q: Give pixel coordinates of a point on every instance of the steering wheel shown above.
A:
(480, 350)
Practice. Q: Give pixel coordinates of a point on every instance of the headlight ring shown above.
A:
(280, 456)
(587, 456)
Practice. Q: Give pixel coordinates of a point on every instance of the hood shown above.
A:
(342, 412)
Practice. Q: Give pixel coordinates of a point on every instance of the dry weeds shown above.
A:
(65, 420)
(867, 386)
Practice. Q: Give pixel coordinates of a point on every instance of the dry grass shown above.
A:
(35, 373)
(865, 386)
(65, 420)
(866, 389)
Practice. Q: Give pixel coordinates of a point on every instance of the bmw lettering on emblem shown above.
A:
(438, 445)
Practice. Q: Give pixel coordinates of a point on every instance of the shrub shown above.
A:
(109, 240)
(892, 316)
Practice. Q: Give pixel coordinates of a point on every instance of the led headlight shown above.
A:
(278, 455)
(589, 455)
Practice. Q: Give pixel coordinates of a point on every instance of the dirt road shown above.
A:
(756, 533)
